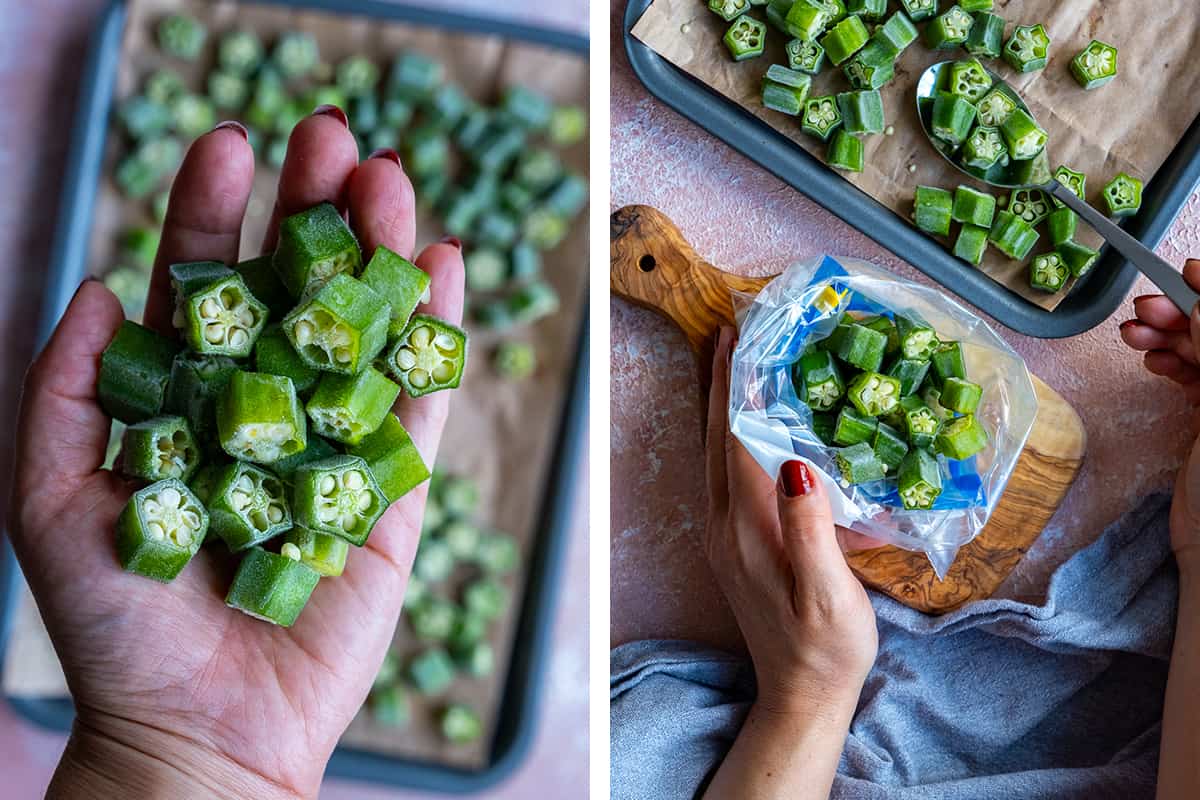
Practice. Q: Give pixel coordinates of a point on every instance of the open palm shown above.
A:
(157, 670)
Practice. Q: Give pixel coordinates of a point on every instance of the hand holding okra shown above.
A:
(173, 688)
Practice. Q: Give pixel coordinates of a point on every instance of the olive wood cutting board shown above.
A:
(654, 267)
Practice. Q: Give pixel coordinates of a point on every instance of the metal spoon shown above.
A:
(1162, 274)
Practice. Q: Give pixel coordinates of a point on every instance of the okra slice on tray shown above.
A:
(984, 148)
(872, 67)
(314, 246)
(818, 380)
(952, 118)
(851, 428)
(921, 424)
(390, 706)
(433, 620)
(246, 505)
(986, 38)
(807, 19)
(274, 355)
(434, 561)
(432, 672)
(896, 34)
(428, 356)
(859, 464)
(870, 10)
(158, 449)
(785, 90)
(917, 339)
(933, 210)
(949, 30)
(1033, 171)
(873, 394)
(341, 327)
(969, 80)
(486, 598)
(160, 529)
(861, 112)
(805, 55)
(845, 152)
(223, 318)
(910, 372)
(1048, 273)
(1123, 195)
(348, 408)
(973, 207)
(745, 38)
(1095, 65)
(414, 76)
(393, 459)
(889, 446)
(240, 52)
(497, 553)
(135, 369)
(338, 495)
(530, 109)
(273, 587)
(919, 9)
(356, 76)
(861, 347)
(259, 418)
(845, 39)
(1075, 181)
(821, 117)
(1012, 236)
(400, 282)
(971, 244)
(1028, 49)
(460, 724)
(295, 54)
(1078, 258)
(1031, 206)
(919, 480)
(1062, 225)
(995, 108)
(181, 36)
(962, 438)
(477, 659)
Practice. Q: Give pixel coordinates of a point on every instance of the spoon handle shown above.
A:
(1162, 274)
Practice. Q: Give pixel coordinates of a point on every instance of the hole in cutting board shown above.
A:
(647, 263)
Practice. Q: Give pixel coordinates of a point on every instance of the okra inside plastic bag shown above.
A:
(803, 306)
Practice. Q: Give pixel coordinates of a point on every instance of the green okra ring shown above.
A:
(339, 496)
(247, 505)
(428, 356)
(160, 529)
(158, 449)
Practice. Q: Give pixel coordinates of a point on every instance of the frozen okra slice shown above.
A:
(890, 447)
(919, 480)
(818, 380)
(338, 495)
(859, 464)
(1095, 65)
(432, 671)
(223, 318)
(274, 355)
(984, 148)
(1012, 236)
(390, 706)
(314, 245)
(341, 327)
(400, 282)
(273, 587)
(1047, 273)
(160, 529)
(196, 383)
(317, 450)
(295, 54)
(393, 458)
(1028, 49)
(917, 339)
(188, 278)
(181, 36)
(821, 117)
(460, 724)
(347, 408)
(158, 449)
(259, 418)
(962, 438)
(263, 282)
(874, 394)
(247, 505)
(135, 369)
(324, 553)
(428, 356)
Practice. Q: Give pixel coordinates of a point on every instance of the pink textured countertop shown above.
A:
(742, 219)
(40, 67)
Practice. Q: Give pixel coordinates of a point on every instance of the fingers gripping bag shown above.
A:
(795, 315)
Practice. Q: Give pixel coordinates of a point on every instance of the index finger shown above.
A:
(717, 427)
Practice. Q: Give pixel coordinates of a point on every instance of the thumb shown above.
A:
(1195, 329)
(806, 521)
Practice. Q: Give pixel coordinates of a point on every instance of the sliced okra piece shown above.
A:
(524, 262)
(873, 394)
(341, 327)
(845, 39)
(162, 85)
(986, 38)
(805, 55)
(962, 438)
(240, 52)
(567, 196)
(356, 76)
(434, 562)
(195, 384)
(462, 538)
(851, 428)
(1078, 258)
(1075, 181)
(1028, 49)
(394, 115)
(432, 672)
(537, 170)
(158, 449)
(486, 269)
(486, 598)
(1030, 205)
(496, 229)
(323, 553)
(889, 446)
(530, 109)
(426, 150)
(818, 380)
(498, 147)
(460, 724)
(544, 228)
(821, 117)
(807, 19)
(295, 54)
(862, 347)
(390, 706)
(995, 108)
(267, 100)
(348, 408)
(188, 278)
(1123, 195)
(917, 339)
(317, 450)
(933, 210)
(364, 116)
(932, 396)
(433, 620)
(314, 246)
(247, 505)
(845, 152)
(192, 115)
(949, 30)
(1033, 171)
(888, 328)
(969, 80)
(477, 660)
(977, 5)
(414, 76)
(160, 529)
(785, 90)
(1095, 65)
(1012, 236)
(400, 282)
(921, 424)
(952, 118)
(338, 495)
(859, 464)
(514, 361)
(918, 10)
(531, 302)
(1062, 225)
(181, 36)
(135, 369)
(919, 480)
(870, 68)
(745, 38)
(428, 356)
(497, 553)
(824, 425)
(228, 91)
(393, 458)
(961, 396)
(896, 34)
(948, 362)
(274, 355)
(910, 372)
(259, 418)
(140, 245)
(971, 244)
(871, 10)
(861, 112)
(144, 118)
(1048, 273)
(973, 207)
(273, 587)
(223, 318)
(568, 126)
(141, 172)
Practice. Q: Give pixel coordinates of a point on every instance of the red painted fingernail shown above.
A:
(1129, 323)
(233, 125)
(388, 153)
(1142, 297)
(796, 479)
(328, 110)
(453, 241)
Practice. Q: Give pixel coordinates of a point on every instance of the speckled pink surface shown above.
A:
(741, 218)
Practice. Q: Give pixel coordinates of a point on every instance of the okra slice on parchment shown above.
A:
(135, 369)
(432, 672)
(338, 495)
(393, 458)
(246, 505)
(460, 724)
(158, 449)
(259, 418)
(400, 282)
(273, 587)
(348, 408)
(322, 552)
(428, 356)
(314, 245)
(341, 327)
(160, 529)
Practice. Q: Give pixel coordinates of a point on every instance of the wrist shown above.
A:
(807, 694)
(119, 758)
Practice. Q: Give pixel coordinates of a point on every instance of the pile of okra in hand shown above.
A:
(979, 122)
(269, 431)
(891, 423)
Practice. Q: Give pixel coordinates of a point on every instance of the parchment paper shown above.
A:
(500, 433)
(1132, 124)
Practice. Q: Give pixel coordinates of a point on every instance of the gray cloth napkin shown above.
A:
(994, 701)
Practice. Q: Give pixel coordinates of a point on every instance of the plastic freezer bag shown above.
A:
(767, 416)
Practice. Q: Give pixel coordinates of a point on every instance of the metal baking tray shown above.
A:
(525, 677)
(1092, 300)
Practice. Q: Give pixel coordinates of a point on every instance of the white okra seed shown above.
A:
(405, 358)
(214, 334)
(290, 550)
(209, 309)
(354, 479)
(303, 332)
